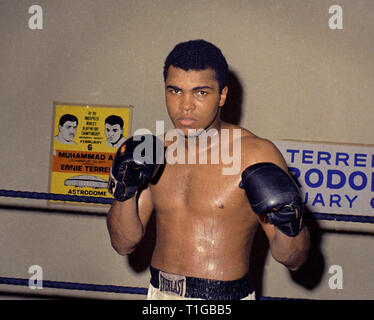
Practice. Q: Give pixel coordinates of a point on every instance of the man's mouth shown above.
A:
(186, 121)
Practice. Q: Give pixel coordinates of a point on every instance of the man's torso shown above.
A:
(205, 226)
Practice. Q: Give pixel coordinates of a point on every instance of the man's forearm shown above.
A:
(124, 225)
(290, 251)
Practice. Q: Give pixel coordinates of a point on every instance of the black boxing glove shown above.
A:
(272, 191)
(135, 164)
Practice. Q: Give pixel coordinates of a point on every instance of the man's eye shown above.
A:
(202, 93)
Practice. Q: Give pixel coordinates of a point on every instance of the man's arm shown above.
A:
(290, 251)
(288, 244)
(127, 221)
(128, 183)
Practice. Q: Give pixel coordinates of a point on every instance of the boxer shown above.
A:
(205, 221)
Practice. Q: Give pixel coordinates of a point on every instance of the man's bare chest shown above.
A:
(198, 187)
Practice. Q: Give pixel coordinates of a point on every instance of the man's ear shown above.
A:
(223, 96)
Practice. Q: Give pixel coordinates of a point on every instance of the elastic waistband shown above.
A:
(210, 289)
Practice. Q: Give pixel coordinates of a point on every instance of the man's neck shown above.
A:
(202, 139)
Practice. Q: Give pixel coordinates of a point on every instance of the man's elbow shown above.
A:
(301, 253)
(123, 251)
(297, 260)
(125, 245)
(293, 262)
(296, 265)
(293, 259)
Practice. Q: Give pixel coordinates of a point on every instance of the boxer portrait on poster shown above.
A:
(114, 131)
(67, 128)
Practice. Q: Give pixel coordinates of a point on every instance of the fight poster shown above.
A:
(85, 139)
(333, 178)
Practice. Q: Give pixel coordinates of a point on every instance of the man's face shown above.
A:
(68, 130)
(193, 98)
(113, 132)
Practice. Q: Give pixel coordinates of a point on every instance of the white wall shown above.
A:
(295, 79)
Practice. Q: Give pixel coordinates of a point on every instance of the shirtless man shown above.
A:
(206, 221)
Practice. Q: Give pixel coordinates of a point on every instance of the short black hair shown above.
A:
(198, 55)
(67, 117)
(113, 119)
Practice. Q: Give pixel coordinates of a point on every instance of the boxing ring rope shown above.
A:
(102, 200)
(53, 196)
(76, 286)
(123, 289)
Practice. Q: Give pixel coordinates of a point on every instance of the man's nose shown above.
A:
(188, 102)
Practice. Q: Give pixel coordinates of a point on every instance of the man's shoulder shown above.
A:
(251, 144)
(256, 149)
(244, 133)
(255, 143)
